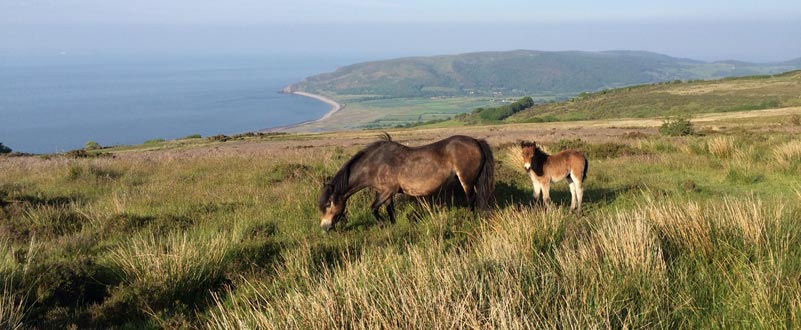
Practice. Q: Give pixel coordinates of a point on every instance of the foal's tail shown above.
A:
(485, 186)
(586, 166)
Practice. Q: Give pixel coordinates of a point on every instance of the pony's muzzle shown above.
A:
(326, 224)
(527, 166)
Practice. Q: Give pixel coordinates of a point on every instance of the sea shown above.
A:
(59, 105)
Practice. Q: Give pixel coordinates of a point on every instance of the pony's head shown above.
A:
(331, 205)
(335, 193)
(528, 150)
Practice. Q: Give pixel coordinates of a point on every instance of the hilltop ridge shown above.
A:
(521, 72)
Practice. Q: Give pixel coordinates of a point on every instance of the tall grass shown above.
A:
(674, 237)
(721, 146)
(179, 262)
(12, 309)
(12, 304)
(788, 154)
(530, 268)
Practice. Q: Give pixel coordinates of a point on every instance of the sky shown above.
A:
(758, 31)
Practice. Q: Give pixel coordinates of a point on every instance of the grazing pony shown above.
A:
(544, 169)
(390, 168)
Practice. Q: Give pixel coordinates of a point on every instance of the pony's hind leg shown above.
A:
(469, 192)
(579, 195)
(573, 194)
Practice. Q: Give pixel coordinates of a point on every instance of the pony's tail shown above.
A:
(586, 166)
(485, 186)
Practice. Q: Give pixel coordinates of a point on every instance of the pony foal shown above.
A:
(544, 169)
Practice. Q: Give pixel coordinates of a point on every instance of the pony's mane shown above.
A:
(339, 183)
(538, 152)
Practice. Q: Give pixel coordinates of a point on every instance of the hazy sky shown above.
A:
(766, 30)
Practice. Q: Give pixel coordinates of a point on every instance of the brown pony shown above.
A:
(544, 169)
(390, 168)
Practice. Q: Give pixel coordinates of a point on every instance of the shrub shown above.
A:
(595, 151)
(92, 145)
(81, 153)
(219, 137)
(502, 112)
(677, 127)
(4, 149)
(77, 153)
(154, 141)
(193, 136)
(634, 135)
(283, 172)
(795, 120)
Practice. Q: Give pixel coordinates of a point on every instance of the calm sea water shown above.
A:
(58, 107)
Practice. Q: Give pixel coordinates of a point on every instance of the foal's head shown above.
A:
(528, 151)
(332, 206)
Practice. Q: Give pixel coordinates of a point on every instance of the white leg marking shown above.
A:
(572, 195)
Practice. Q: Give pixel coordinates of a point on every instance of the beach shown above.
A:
(334, 105)
(334, 108)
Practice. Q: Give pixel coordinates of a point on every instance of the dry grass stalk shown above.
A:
(721, 146)
(788, 153)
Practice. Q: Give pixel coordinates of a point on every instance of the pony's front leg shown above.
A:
(537, 189)
(382, 197)
(391, 210)
(546, 194)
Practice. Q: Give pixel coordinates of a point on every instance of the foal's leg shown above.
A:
(572, 185)
(537, 189)
(579, 195)
(546, 193)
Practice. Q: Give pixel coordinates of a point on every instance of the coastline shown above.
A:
(334, 105)
(334, 108)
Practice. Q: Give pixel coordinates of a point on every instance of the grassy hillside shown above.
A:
(678, 98)
(690, 232)
(519, 72)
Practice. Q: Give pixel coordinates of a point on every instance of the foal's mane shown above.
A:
(538, 152)
(338, 185)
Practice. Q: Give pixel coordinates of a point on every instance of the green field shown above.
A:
(678, 232)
